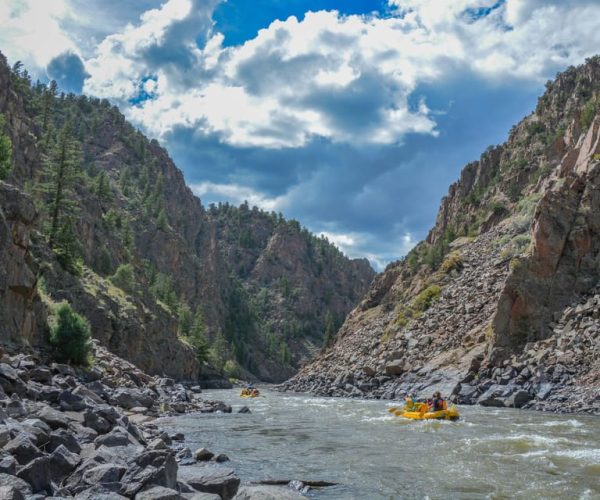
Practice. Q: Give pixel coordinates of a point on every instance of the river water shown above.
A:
(488, 453)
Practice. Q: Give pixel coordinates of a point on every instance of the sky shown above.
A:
(350, 116)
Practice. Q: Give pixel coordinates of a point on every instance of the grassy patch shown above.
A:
(451, 262)
(427, 297)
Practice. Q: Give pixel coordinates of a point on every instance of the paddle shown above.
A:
(392, 409)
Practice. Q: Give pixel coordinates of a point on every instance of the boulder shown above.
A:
(10, 481)
(265, 492)
(10, 493)
(70, 401)
(220, 458)
(8, 465)
(158, 493)
(4, 436)
(244, 409)
(368, 371)
(84, 392)
(518, 399)
(22, 449)
(466, 393)
(99, 493)
(203, 496)
(151, 468)
(64, 438)
(157, 444)
(39, 374)
(219, 480)
(103, 474)
(117, 437)
(394, 368)
(62, 463)
(492, 397)
(10, 382)
(203, 455)
(37, 474)
(96, 422)
(55, 419)
(130, 398)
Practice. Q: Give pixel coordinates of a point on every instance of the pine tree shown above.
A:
(61, 174)
(48, 96)
(102, 187)
(185, 320)
(5, 151)
(198, 336)
(161, 221)
(330, 329)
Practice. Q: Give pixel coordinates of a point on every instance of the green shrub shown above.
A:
(5, 151)
(427, 297)
(451, 262)
(124, 278)
(231, 369)
(589, 111)
(71, 336)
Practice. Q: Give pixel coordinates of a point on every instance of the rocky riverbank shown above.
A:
(93, 434)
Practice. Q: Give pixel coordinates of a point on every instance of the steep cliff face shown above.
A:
(137, 219)
(294, 282)
(515, 243)
(22, 316)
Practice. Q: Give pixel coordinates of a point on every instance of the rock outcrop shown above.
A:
(90, 433)
(134, 209)
(22, 316)
(498, 305)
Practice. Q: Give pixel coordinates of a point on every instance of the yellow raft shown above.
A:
(249, 393)
(421, 411)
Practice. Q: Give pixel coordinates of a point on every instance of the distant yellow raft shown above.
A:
(420, 411)
(249, 393)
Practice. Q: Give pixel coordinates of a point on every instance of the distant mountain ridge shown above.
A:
(499, 305)
(157, 264)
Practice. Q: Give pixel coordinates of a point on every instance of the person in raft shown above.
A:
(437, 402)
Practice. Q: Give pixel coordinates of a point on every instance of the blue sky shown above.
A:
(351, 116)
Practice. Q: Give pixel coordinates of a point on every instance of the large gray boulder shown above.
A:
(151, 468)
(37, 474)
(221, 481)
(22, 449)
(518, 399)
(55, 419)
(10, 481)
(158, 493)
(264, 492)
(130, 398)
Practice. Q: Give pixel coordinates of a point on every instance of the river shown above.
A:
(488, 453)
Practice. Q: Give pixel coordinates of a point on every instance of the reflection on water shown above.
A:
(489, 453)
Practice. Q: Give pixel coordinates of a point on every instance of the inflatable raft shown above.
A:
(421, 411)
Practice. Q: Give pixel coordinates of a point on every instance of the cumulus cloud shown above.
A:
(321, 116)
(236, 194)
(352, 79)
(32, 32)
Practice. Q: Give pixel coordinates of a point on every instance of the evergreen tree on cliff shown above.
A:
(5, 152)
(61, 173)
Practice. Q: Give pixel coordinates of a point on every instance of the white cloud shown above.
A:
(32, 33)
(236, 194)
(360, 244)
(345, 78)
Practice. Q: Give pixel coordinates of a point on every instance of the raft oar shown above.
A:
(392, 409)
